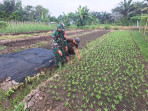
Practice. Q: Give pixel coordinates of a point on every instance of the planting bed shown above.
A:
(44, 41)
(18, 95)
(112, 76)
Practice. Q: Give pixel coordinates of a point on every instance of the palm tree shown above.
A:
(124, 8)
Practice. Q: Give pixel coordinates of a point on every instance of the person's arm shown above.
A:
(65, 41)
(77, 52)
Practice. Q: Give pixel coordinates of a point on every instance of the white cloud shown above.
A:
(57, 7)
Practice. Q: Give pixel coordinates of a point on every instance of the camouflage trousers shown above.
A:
(58, 57)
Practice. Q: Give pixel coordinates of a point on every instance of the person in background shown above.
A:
(59, 44)
(71, 43)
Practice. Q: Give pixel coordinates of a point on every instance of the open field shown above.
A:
(41, 70)
(16, 43)
(85, 36)
(111, 75)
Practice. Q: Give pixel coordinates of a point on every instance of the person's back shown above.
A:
(71, 43)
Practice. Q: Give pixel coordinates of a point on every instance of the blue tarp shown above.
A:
(22, 64)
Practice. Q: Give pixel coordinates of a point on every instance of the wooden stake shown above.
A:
(145, 26)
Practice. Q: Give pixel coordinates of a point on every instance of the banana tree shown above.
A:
(67, 21)
(82, 16)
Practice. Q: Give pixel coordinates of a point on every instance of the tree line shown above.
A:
(126, 13)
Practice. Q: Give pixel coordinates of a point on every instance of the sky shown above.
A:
(58, 7)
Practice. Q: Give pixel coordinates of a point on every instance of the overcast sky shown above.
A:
(57, 7)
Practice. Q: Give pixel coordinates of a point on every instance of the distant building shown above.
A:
(52, 23)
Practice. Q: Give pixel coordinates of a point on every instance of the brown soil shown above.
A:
(1, 34)
(1, 80)
(18, 33)
(26, 43)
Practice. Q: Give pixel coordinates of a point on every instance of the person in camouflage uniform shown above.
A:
(59, 44)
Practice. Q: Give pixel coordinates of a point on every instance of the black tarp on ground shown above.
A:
(22, 64)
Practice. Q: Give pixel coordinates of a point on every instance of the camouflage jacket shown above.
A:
(59, 40)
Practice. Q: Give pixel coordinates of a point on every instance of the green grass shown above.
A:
(115, 28)
(8, 37)
(1, 99)
(26, 27)
(88, 27)
(142, 43)
(107, 27)
(40, 44)
(102, 27)
(3, 47)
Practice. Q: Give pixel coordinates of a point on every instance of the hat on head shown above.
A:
(77, 39)
(61, 25)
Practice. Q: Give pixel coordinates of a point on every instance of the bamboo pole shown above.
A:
(139, 25)
(145, 26)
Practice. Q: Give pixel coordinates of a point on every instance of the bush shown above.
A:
(107, 27)
(86, 27)
(116, 28)
(93, 27)
(3, 24)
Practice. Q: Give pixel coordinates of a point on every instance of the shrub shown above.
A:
(107, 27)
(3, 24)
(116, 28)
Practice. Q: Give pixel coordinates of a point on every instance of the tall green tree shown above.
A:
(125, 8)
(41, 13)
(83, 16)
(28, 13)
(103, 17)
(11, 9)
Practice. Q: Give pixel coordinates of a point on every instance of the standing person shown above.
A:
(71, 43)
(59, 44)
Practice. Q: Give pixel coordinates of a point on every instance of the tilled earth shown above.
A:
(17, 44)
(44, 105)
(26, 43)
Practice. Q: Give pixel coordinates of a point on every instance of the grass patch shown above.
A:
(27, 27)
(40, 44)
(115, 28)
(3, 47)
(11, 37)
(142, 43)
(80, 35)
(107, 27)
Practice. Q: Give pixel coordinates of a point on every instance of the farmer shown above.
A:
(59, 44)
(71, 43)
